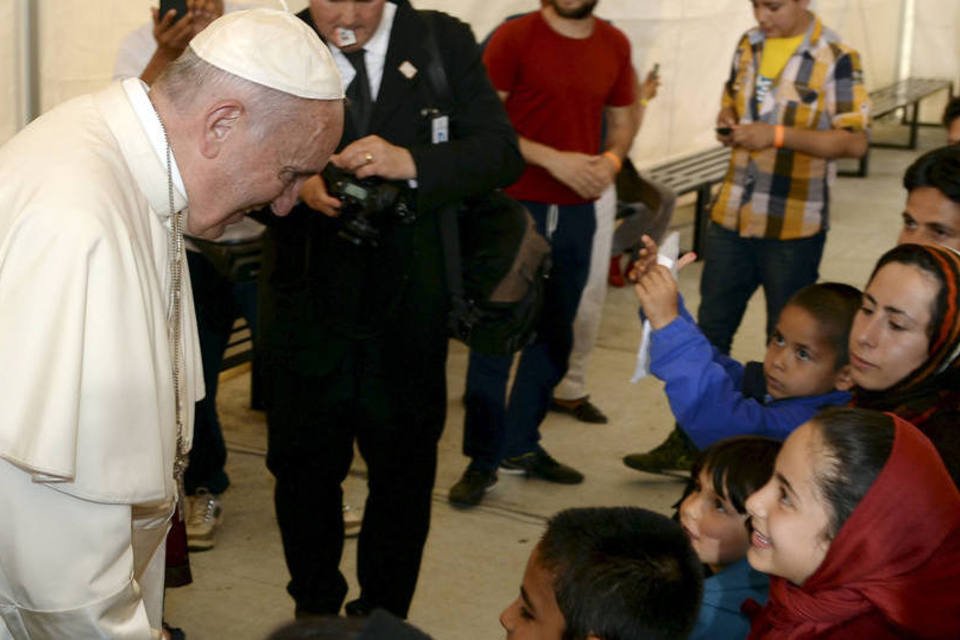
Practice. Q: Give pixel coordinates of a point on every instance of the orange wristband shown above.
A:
(778, 132)
(614, 158)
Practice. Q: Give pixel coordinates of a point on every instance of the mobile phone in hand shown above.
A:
(179, 5)
(656, 68)
(724, 131)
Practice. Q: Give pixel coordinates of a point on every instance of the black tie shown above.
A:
(358, 92)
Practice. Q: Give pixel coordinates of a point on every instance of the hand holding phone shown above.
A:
(724, 131)
(180, 6)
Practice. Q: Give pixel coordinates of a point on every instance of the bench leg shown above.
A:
(914, 119)
(864, 164)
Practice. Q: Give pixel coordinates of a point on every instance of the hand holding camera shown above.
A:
(373, 156)
(367, 205)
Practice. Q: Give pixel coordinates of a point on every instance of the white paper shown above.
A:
(667, 255)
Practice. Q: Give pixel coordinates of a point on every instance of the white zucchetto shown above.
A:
(271, 48)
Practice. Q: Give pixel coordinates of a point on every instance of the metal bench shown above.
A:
(695, 173)
(239, 347)
(905, 95)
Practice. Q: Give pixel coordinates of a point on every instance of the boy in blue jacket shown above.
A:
(714, 397)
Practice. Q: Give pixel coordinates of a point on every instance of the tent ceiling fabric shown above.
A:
(692, 40)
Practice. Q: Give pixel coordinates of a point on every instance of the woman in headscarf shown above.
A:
(860, 530)
(905, 342)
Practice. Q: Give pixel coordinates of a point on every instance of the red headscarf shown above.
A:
(895, 563)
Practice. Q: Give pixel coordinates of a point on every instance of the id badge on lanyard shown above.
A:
(439, 129)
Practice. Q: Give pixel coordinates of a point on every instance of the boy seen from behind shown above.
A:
(610, 573)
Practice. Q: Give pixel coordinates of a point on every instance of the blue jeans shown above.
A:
(494, 429)
(736, 266)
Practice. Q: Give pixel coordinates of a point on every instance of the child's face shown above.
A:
(799, 362)
(717, 532)
(535, 614)
(781, 18)
(789, 514)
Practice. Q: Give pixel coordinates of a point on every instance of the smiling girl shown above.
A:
(859, 528)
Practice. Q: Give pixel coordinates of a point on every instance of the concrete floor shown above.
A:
(474, 559)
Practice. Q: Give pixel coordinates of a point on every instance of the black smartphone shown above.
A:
(724, 131)
(656, 68)
(179, 5)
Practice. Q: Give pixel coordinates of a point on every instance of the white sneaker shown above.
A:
(352, 519)
(204, 515)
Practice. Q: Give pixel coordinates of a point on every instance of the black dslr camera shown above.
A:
(366, 203)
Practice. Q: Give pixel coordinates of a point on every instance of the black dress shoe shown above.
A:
(540, 464)
(358, 608)
(582, 409)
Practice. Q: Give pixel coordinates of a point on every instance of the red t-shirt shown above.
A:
(558, 88)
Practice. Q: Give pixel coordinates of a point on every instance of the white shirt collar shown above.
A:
(376, 52)
(136, 91)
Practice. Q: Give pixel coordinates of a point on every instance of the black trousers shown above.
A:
(313, 422)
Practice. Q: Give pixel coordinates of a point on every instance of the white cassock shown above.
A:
(87, 407)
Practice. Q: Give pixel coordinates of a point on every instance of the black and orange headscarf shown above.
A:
(934, 385)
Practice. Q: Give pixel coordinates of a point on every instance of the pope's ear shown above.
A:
(220, 122)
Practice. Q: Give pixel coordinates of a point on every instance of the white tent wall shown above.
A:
(692, 40)
(9, 71)
(936, 47)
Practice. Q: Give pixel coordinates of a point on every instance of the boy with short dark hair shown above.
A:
(608, 573)
(714, 397)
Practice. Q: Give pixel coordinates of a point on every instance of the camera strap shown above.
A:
(449, 225)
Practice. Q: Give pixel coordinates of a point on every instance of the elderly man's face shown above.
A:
(347, 24)
(258, 171)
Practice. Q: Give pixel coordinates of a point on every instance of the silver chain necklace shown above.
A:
(175, 321)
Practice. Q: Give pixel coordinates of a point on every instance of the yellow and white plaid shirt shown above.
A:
(781, 193)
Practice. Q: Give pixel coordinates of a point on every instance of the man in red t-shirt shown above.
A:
(560, 71)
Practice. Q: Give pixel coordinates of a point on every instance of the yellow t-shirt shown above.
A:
(776, 52)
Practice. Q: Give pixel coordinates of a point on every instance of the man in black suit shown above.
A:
(353, 335)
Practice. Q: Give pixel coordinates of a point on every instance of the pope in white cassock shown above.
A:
(96, 324)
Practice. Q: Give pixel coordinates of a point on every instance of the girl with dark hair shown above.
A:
(905, 343)
(714, 516)
(860, 530)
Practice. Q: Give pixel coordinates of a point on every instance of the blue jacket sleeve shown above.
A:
(703, 388)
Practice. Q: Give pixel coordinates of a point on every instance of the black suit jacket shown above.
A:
(321, 296)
